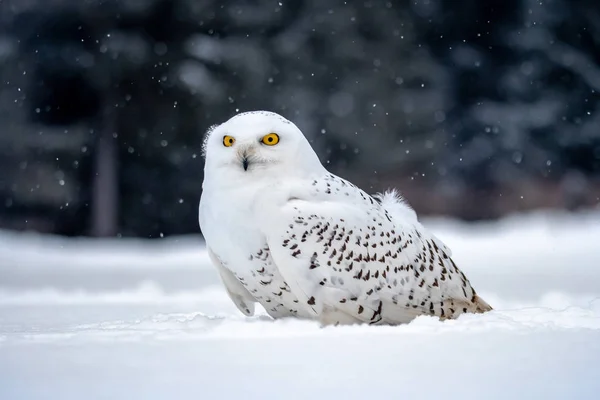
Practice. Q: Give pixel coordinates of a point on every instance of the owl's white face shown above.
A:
(257, 144)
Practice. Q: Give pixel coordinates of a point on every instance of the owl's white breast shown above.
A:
(228, 225)
(228, 221)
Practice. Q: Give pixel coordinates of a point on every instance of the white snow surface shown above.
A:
(148, 319)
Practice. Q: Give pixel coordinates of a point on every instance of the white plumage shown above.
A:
(286, 233)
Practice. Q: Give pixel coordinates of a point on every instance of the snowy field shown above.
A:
(83, 319)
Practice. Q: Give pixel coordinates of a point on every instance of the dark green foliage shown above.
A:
(461, 106)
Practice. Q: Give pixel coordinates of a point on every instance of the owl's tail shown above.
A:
(455, 309)
(481, 305)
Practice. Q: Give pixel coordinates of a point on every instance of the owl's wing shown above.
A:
(240, 296)
(342, 250)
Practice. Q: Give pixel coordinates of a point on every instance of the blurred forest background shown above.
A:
(474, 108)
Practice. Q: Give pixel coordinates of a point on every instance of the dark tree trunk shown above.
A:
(105, 179)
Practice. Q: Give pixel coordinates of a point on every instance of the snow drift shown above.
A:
(116, 319)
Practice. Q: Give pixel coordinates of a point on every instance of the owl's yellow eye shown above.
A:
(271, 139)
(228, 141)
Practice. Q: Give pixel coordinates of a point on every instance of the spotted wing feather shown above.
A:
(343, 251)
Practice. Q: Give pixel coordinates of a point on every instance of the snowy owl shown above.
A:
(283, 231)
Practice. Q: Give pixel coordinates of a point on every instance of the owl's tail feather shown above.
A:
(481, 305)
(454, 309)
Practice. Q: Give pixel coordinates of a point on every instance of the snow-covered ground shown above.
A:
(85, 319)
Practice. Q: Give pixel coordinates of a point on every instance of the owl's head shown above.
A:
(258, 143)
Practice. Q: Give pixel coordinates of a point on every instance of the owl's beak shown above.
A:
(246, 156)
